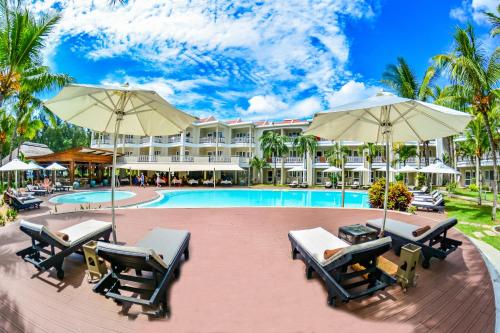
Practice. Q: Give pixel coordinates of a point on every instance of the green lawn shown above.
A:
(467, 193)
(466, 211)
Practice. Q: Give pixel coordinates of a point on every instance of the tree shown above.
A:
(494, 19)
(475, 77)
(64, 136)
(305, 144)
(372, 151)
(22, 38)
(405, 152)
(6, 126)
(477, 139)
(337, 156)
(274, 145)
(404, 81)
(259, 164)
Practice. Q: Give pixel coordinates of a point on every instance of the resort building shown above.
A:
(228, 146)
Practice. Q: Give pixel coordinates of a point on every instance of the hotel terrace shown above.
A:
(227, 144)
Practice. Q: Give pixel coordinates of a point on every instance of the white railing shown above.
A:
(182, 159)
(291, 160)
(237, 140)
(211, 139)
(354, 159)
(174, 139)
(320, 159)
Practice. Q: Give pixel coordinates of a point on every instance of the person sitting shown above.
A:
(47, 184)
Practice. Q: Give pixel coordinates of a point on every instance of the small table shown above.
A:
(95, 265)
(357, 233)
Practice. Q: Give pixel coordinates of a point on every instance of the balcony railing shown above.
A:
(183, 159)
(291, 160)
(174, 139)
(320, 159)
(354, 159)
(211, 139)
(237, 140)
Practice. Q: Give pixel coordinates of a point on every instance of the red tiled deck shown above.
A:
(241, 278)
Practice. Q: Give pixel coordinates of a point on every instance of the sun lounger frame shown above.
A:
(338, 280)
(110, 285)
(19, 205)
(42, 244)
(439, 236)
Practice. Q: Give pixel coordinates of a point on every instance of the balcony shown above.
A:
(354, 159)
(174, 139)
(242, 161)
(287, 160)
(242, 140)
(211, 139)
(320, 159)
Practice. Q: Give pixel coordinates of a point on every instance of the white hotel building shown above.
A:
(226, 144)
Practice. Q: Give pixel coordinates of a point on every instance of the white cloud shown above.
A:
(350, 92)
(271, 108)
(474, 9)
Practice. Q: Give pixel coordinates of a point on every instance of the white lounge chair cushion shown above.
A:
(132, 250)
(85, 230)
(316, 241)
(404, 229)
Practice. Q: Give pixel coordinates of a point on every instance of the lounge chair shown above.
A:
(328, 185)
(226, 182)
(36, 190)
(159, 253)
(435, 204)
(60, 187)
(208, 182)
(402, 234)
(303, 185)
(43, 241)
(342, 285)
(422, 190)
(355, 185)
(339, 184)
(22, 202)
(193, 182)
(294, 184)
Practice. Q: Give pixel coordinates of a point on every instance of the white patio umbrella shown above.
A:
(439, 168)
(387, 118)
(361, 169)
(384, 169)
(118, 110)
(407, 169)
(54, 167)
(33, 166)
(332, 169)
(15, 165)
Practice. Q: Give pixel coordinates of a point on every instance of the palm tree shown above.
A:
(404, 81)
(494, 19)
(337, 156)
(305, 144)
(22, 38)
(274, 145)
(372, 151)
(259, 164)
(405, 152)
(27, 102)
(477, 139)
(475, 77)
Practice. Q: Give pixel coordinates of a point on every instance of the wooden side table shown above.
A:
(357, 233)
(96, 266)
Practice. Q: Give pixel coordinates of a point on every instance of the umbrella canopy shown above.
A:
(361, 168)
(388, 118)
(403, 118)
(407, 169)
(439, 168)
(297, 169)
(384, 169)
(118, 110)
(15, 165)
(56, 167)
(332, 169)
(34, 166)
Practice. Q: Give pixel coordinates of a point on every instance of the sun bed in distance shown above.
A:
(36, 190)
(402, 234)
(355, 185)
(422, 190)
(226, 182)
(328, 184)
(342, 285)
(436, 204)
(20, 203)
(159, 253)
(44, 242)
(193, 182)
(294, 183)
(60, 187)
(303, 185)
(208, 182)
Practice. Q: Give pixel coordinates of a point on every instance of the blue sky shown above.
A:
(256, 60)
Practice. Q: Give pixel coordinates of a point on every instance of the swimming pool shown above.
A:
(90, 197)
(257, 198)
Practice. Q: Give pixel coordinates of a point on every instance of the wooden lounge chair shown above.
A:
(294, 184)
(60, 187)
(20, 203)
(342, 284)
(44, 242)
(36, 190)
(402, 234)
(159, 254)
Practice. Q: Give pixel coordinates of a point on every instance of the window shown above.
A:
(488, 175)
(157, 152)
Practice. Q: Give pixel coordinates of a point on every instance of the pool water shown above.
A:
(90, 197)
(257, 198)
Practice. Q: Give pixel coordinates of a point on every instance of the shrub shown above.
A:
(2, 220)
(399, 197)
(451, 187)
(399, 177)
(473, 188)
(11, 214)
(420, 179)
(412, 209)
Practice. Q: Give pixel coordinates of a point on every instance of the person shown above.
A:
(158, 180)
(142, 180)
(47, 184)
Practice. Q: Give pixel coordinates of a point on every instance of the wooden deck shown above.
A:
(241, 278)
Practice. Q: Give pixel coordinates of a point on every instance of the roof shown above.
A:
(30, 149)
(78, 154)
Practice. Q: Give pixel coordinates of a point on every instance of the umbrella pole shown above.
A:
(386, 193)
